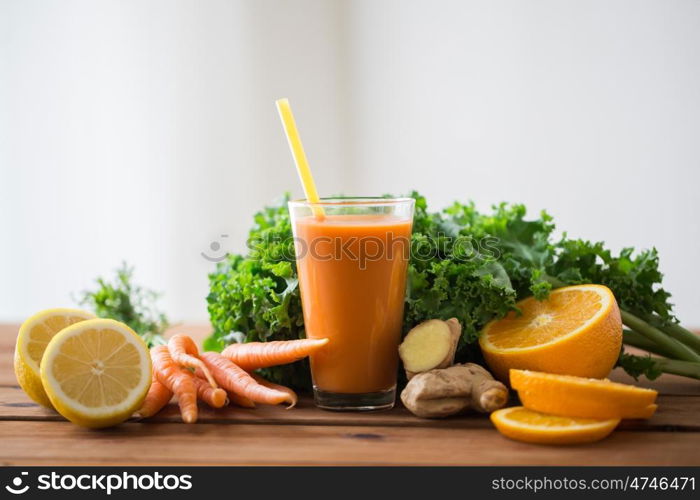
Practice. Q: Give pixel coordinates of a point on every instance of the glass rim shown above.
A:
(354, 201)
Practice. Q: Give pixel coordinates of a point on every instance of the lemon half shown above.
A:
(34, 335)
(97, 372)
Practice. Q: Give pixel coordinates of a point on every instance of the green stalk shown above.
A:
(684, 335)
(682, 368)
(675, 348)
(634, 339)
(676, 331)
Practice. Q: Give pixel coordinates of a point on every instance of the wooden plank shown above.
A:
(15, 405)
(305, 435)
(676, 413)
(139, 444)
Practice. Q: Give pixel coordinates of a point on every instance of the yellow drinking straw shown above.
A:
(307, 180)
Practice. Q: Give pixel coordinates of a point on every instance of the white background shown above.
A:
(143, 130)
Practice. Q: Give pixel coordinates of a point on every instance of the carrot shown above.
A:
(158, 396)
(236, 380)
(234, 398)
(184, 351)
(254, 355)
(178, 380)
(241, 401)
(271, 385)
(216, 398)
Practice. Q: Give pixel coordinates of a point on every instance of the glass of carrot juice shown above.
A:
(352, 256)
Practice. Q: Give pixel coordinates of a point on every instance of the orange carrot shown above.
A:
(234, 398)
(158, 396)
(185, 353)
(254, 355)
(233, 379)
(277, 387)
(216, 398)
(241, 401)
(178, 380)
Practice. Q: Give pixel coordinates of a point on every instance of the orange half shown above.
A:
(576, 331)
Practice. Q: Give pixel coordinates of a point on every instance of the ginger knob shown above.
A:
(431, 344)
(448, 391)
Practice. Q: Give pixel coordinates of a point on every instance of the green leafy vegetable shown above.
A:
(466, 264)
(640, 365)
(450, 274)
(256, 297)
(131, 304)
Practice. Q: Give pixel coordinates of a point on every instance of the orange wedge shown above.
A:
(576, 331)
(529, 426)
(582, 397)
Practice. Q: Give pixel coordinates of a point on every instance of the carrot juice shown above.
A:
(352, 263)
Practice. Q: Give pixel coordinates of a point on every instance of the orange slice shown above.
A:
(576, 331)
(529, 426)
(582, 397)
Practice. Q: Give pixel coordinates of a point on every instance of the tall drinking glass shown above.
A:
(351, 259)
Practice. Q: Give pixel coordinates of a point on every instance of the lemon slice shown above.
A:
(530, 426)
(96, 373)
(34, 335)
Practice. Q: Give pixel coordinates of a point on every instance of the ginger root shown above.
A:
(448, 391)
(431, 344)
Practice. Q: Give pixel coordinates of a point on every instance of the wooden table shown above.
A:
(32, 435)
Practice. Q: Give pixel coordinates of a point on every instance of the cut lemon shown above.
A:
(34, 335)
(530, 426)
(582, 397)
(576, 331)
(96, 373)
